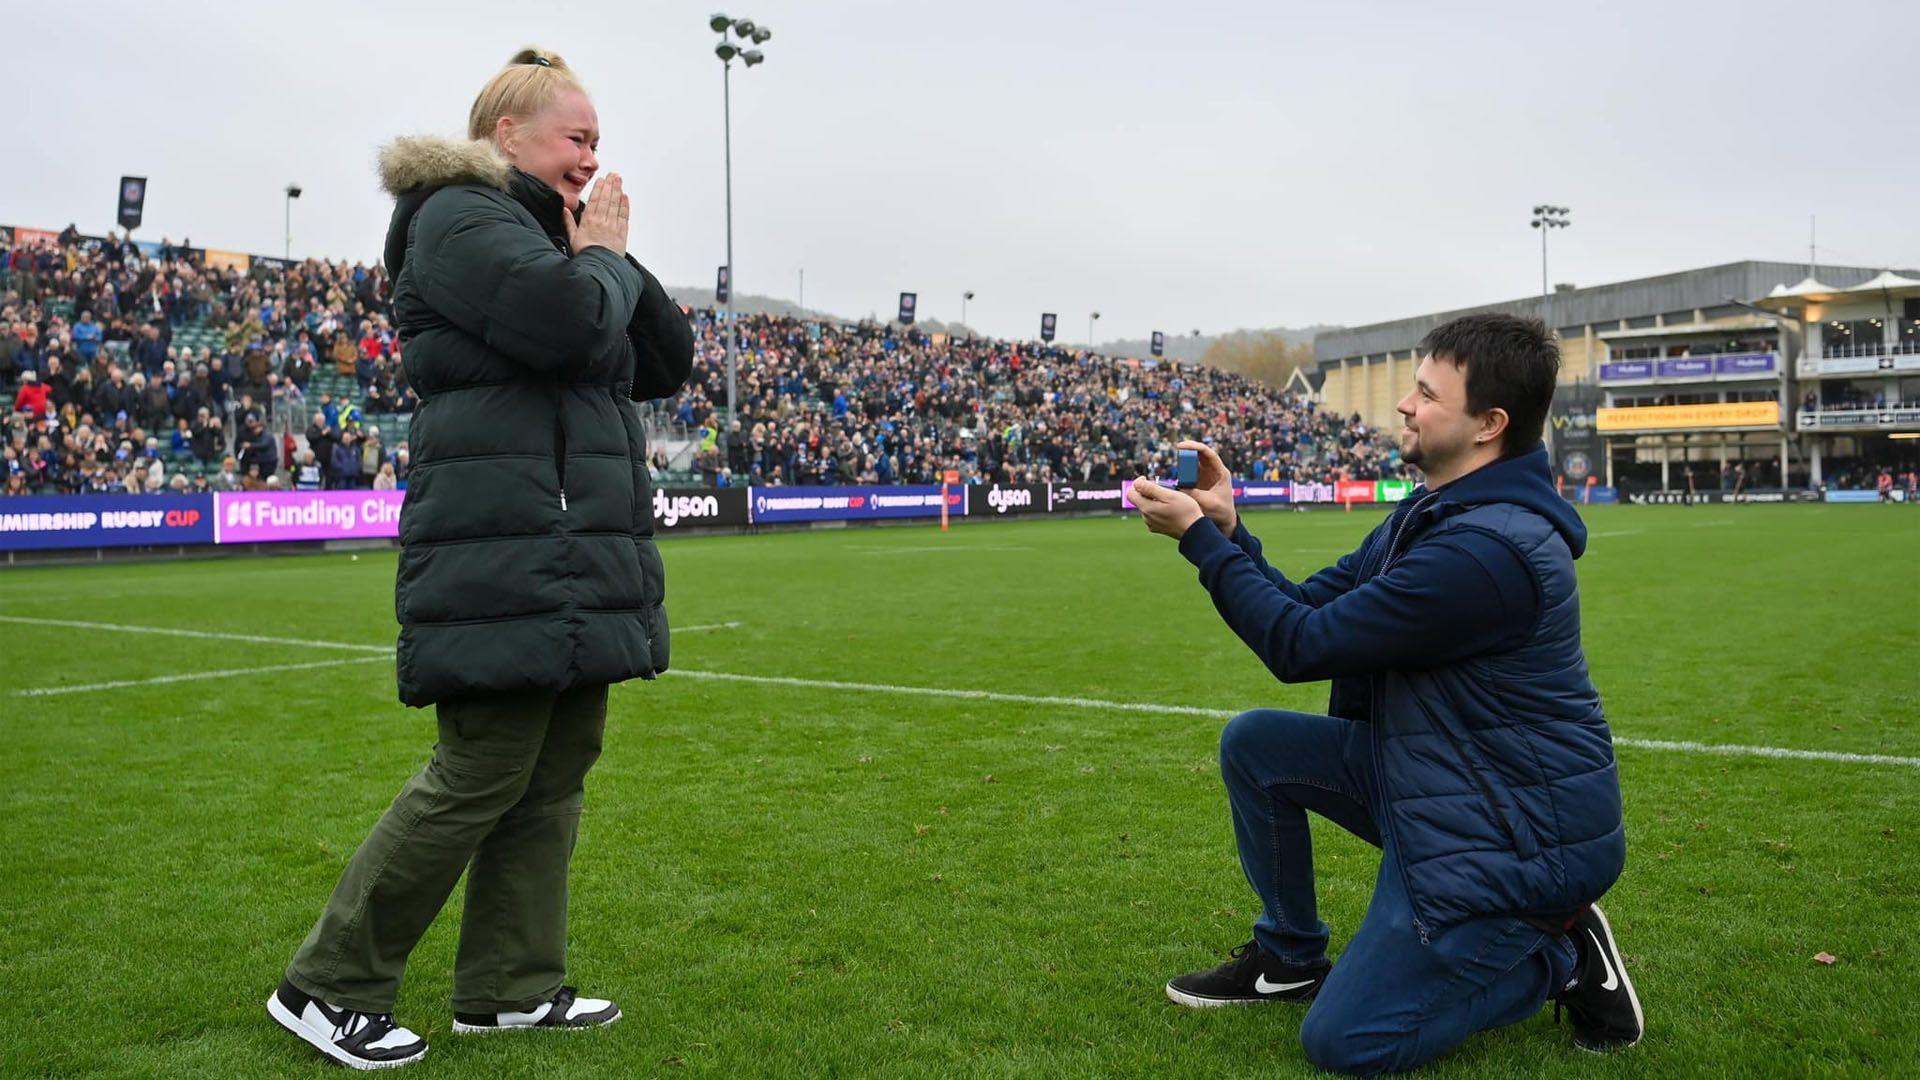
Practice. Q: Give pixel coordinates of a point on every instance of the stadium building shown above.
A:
(1858, 374)
(1728, 373)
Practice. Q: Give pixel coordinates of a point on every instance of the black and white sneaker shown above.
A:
(358, 1040)
(1253, 975)
(566, 1010)
(1604, 1009)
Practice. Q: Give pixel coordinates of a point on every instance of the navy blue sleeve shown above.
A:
(1444, 600)
(1316, 590)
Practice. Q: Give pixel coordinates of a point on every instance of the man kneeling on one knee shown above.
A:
(1465, 739)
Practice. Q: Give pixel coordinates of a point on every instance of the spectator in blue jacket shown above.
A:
(31, 355)
(86, 337)
(344, 469)
(257, 448)
(150, 351)
(219, 379)
(1465, 739)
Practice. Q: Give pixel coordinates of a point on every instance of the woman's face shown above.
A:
(558, 146)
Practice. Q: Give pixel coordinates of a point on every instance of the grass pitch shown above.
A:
(787, 878)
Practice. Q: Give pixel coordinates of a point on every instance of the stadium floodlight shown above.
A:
(964, 297)
(1548, 217)
(727, 51)
(293, 192)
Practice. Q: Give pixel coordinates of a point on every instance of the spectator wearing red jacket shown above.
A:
(32, 398)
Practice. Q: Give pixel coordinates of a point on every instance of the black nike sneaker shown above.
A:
(358, 1040)
(566, 1009)
(1604, 1009)
(1251, 976)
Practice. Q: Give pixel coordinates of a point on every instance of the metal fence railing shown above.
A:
(1876, 348)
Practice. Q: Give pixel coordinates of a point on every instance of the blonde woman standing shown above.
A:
(528, 578)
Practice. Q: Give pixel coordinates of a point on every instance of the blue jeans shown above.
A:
(1392, 1002)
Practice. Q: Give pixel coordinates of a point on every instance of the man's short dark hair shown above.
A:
(1512, 363)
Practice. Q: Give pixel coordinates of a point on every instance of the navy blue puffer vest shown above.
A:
(1501, 791)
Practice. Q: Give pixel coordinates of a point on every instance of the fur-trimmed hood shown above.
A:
(430, 161)
(412, 168)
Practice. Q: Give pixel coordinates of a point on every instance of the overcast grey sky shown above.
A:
(1206, 164)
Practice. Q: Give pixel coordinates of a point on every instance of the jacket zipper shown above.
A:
(1400, 531)
(560, 444)
(1377, 693)
(559, 241)
(1479, 778)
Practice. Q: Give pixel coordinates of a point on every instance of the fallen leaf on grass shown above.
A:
(1825, 958)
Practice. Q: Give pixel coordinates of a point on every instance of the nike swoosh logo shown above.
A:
(1261, 985)
(1612, 981)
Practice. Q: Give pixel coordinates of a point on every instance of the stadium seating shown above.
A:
(821, 401)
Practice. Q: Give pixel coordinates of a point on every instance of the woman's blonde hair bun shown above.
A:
(530, 82)
(533, 54)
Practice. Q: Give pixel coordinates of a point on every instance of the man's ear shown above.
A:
(1493, 425)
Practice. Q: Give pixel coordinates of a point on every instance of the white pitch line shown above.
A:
(1765, 751)
(256, 638)
(177, 632)
(1729, 750)
(48, 691)
(384, 653)
(1192, 710)
(963, 695)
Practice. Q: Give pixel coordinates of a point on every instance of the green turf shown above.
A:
(776, 880)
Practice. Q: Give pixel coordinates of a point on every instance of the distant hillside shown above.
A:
(748, 304)
(1182, 345)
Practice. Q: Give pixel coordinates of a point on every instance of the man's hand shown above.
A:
(603, 223)
(1166, 511)
(1214, 489)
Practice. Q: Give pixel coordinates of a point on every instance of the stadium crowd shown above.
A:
(133, 370)
(110, 392)
(146, 368)
(868, 403)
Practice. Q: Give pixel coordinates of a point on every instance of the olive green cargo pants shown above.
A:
(500, 800)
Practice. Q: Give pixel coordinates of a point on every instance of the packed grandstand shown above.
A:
(161, 367)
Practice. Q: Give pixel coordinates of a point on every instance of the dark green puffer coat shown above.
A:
(527, 559)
